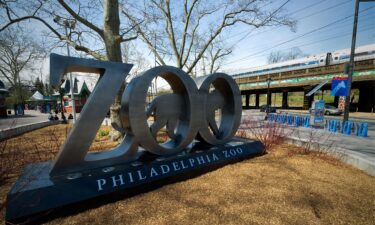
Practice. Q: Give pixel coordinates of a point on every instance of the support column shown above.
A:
(307, 100)
(336, 101)
(257, 100)
(366, 101)
(247, 101)
(284, 104)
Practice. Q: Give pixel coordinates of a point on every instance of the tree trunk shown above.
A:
(113, 49)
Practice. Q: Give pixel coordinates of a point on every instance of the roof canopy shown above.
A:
(37, 96)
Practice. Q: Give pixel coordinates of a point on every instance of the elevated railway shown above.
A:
(285, 80)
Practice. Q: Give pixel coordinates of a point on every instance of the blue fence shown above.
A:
(337, 126)
(290, 120)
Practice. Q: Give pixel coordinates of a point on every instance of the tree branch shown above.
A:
(187, 21)
(144, 36)
(81, 48)
(63, 38)
(170, 31)
(80, 19)
(129, 38)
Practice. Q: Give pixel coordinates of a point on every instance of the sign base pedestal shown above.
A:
(35, 192)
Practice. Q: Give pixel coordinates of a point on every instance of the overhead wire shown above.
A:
(315, 42)
(298, 37)
(302, 18)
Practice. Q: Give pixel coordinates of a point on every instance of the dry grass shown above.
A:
(281, 187)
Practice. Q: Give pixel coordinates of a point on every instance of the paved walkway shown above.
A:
(30, 117)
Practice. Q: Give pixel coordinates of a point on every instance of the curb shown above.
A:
(12, 132)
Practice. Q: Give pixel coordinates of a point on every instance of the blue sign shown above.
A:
(319, 111)
(339, 86)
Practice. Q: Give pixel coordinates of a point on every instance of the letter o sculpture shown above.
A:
(134, 117)
(231, 112)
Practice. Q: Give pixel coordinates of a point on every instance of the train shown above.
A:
(324, 59)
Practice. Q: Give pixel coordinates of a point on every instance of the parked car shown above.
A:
(330, 110)
(267, 108)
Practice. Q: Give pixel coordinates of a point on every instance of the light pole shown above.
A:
(268, 95)
(68, 24)
(351, 61)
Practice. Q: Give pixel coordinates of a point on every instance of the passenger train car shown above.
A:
(324, 59)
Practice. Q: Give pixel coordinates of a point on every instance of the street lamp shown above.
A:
(268, 95)
(71, 25)
(351, 62)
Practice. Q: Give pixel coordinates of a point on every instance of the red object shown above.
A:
(339, 78)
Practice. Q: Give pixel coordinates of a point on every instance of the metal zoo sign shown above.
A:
(188, 111)
(195, 139)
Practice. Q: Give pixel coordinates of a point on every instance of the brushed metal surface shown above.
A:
(179, 111)
(226, 96)
(188, 111)
(72, 155)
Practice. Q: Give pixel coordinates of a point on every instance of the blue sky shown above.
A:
(252, 50)
(322, 26)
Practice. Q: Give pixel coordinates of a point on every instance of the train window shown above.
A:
(336, 58)
(361, 54)
(321, 60)
(344, 57)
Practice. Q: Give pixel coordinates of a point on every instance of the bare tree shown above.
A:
(99, 40)
(132, 55)
(17, 53)
(279, 56)
(175, 25)
(275, 57)
(212, 60)
(294, 53)
(216, 55)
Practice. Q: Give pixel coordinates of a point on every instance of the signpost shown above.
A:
(339, 86)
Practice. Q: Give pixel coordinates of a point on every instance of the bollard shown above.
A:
(298, 121)
(359, 129)
(364, 129)
(343, 127)
(278, 118)
(349, 128)
(307, 121)
(346, 128)
(290, 120)
(334, 126)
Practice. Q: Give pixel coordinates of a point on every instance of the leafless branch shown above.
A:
(81, 19)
